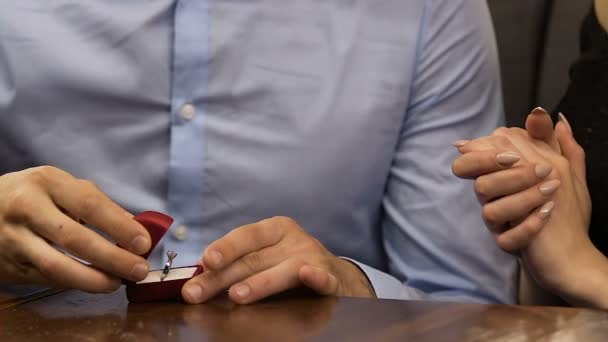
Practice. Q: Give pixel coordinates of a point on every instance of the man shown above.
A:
(337, 115)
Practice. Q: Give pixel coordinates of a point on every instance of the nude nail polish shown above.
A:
(563, 119)
(507, 159)
(546, 209)
(460, 143)
(539, 110)
(542, 170)
(549, 187)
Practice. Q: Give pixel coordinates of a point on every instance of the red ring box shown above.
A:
(152, 289)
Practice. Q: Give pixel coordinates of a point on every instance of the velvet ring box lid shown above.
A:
(153, 287)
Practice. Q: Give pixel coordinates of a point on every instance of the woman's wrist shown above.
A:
(588, 281)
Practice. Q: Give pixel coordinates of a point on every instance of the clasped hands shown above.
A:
(44, 210)
(531, 184)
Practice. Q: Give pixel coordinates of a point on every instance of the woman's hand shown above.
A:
(517, 201)
(44, 207)
(510, 185)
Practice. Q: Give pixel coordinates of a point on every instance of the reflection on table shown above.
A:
(73, 315)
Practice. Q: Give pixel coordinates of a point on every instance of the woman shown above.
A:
(586, 104)
(526, 184)
(535, 202)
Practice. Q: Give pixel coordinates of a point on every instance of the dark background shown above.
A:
(537, 42)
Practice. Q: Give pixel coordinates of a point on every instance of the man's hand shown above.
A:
(261, 259)
(45, 207)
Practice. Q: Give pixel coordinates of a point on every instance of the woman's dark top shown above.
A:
(585, 104)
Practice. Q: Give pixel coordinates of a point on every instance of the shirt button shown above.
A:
(180, 233)
(187, 111)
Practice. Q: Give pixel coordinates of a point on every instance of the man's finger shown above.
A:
(277, 279)
(62, 270)
(17, 268)
(211, 282)
(318, 279)
(244, 240)
(85, 244)
(86, 202)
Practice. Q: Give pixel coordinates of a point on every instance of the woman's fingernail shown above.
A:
(139, 271)
(194, 292)
(563, 119)
(460, 143)
(546, 210)
(507, 159)
(139, 245)
(542, 170)
(242, 290)
(549, 187)
(539, 110)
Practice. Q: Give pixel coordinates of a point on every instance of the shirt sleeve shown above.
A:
(433, 233)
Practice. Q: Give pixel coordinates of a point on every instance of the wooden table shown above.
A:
(73, 315)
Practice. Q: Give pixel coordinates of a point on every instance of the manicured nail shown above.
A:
(539, 110)
(242, 290)
(563, 119)
(542, 170)
(546, 210)
(139, 245)
(507, 159)
(139, 272)
(215, 258)
(194, 293)
(460, 143)
(549, 187)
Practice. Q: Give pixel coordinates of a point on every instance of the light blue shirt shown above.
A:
(220, 113)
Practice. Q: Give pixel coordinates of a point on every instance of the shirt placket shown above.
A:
(187, 132)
